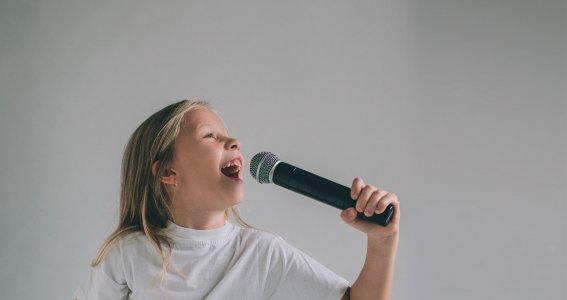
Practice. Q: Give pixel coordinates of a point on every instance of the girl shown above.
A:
(181, 176)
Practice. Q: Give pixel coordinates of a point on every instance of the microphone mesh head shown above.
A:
(261, 165)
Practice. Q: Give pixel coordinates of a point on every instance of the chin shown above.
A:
(235, 198)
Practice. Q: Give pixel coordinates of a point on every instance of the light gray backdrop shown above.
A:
(459, 107)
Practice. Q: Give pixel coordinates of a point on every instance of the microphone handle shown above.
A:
(324, 190)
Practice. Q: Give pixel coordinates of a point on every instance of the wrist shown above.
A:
(383, 242)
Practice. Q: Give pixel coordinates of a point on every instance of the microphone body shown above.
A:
(310, 185)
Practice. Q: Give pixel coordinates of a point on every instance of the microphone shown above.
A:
(266, 167)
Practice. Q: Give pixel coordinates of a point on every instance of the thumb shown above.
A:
(348, 215)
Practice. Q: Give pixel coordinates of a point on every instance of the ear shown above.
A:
(168, 177)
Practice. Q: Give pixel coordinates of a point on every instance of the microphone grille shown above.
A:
(261, 165)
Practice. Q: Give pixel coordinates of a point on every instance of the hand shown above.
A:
(370, 200)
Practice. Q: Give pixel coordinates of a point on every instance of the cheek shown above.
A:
(202, 163)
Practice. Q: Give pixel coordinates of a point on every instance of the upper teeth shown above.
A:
(232, 163)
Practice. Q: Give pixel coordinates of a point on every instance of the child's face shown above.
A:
(202, 148)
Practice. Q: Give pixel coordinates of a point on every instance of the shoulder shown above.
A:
(125, 246)
(269, 246)
(260, 237)
(133, 240)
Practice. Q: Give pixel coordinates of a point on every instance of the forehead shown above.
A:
(202, 117)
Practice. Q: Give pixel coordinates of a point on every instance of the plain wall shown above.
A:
(458, 107)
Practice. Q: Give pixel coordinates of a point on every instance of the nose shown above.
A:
(233, 144)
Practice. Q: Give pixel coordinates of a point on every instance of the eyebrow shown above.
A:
(210, 125)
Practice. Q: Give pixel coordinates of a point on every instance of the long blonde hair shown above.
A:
(144, 201)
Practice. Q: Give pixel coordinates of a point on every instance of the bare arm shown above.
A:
(376, 277)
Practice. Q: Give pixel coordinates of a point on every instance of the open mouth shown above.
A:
(232, 168)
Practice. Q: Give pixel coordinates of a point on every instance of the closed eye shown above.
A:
(210, 135)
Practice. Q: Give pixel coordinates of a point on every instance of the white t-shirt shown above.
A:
(230, 262)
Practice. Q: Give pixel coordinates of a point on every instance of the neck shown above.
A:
(200, 220)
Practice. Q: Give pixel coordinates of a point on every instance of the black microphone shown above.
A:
(266, 167)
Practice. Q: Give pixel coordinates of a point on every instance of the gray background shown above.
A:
(459, 107)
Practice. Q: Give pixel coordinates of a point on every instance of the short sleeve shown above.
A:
(106, 280)
(295, 275)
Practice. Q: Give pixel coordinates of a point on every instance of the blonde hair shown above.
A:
(144, 201)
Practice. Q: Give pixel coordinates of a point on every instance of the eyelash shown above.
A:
(211, 135)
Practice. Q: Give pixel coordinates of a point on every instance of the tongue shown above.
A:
(230, 171)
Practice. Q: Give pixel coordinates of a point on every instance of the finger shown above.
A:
(348, 215)
(372, 204)
(356, 188)
(397, 213)
(364, 197)
(387, 199)
(397, 210)
(395, 221)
